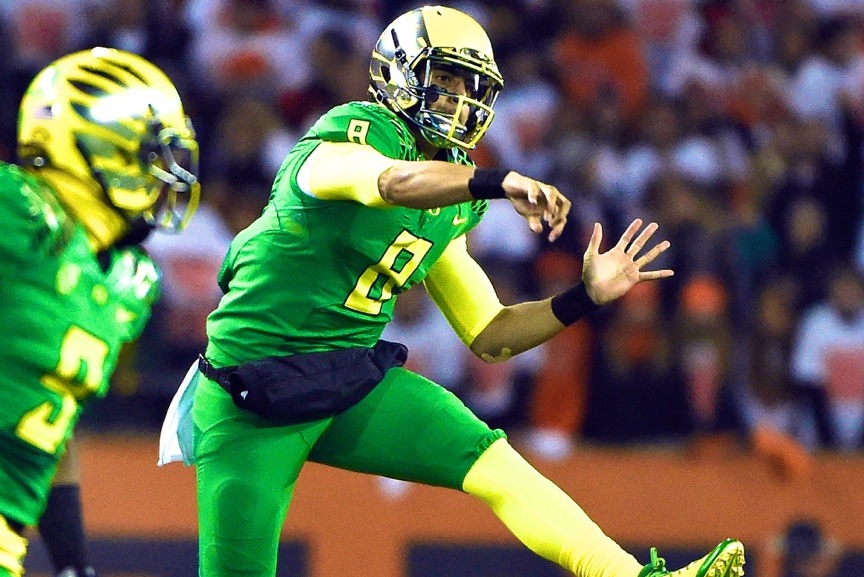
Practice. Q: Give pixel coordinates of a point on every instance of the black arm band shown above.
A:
(487, 183)
(573, 304)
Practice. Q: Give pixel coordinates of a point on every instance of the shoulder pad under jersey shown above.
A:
(33, 219)
(367, 123)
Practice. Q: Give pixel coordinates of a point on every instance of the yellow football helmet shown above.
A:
(114, 121)
(436, 37)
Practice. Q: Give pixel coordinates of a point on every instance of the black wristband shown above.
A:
(573, 304)
(488, 183)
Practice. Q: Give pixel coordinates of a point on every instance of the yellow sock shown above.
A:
(543, 517)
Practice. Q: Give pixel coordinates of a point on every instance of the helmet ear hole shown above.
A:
(32, 153)
(385, 73)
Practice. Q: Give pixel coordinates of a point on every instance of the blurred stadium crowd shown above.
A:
(738, 125)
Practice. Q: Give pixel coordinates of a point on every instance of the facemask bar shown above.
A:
(179, 191)
(444, 128)
(440, 128)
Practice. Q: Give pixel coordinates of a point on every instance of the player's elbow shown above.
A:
(490, 351)
(394, 184)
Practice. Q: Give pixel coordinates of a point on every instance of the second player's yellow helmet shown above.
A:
(114, 121)
(436, 36)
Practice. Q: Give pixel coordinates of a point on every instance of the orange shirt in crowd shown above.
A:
(615, 60)
(560, 393)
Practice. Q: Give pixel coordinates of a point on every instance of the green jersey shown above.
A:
(66, 318)
(313, 275)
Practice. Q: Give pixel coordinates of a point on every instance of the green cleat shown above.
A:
(725, 560)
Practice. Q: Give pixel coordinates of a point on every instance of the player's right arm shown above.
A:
(349, 171)
(427, 184)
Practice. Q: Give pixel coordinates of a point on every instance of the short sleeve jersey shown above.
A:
(313, 275)
(64, 318)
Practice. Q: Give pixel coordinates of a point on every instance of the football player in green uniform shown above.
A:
(106, 154)
(377, 197)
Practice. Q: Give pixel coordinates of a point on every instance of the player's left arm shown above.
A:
(462, 291)
(459, 286)
(465, 295)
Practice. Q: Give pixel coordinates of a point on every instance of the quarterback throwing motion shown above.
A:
(376, 198)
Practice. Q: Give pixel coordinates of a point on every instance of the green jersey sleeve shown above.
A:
(366, 123)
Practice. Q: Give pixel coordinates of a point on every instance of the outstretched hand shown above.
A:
(611, 274)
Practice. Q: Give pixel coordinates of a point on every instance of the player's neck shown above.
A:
(427, 149)
(104, 225)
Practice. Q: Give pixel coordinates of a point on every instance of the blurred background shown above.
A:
(737, 125)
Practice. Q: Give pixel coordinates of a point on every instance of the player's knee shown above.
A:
(486, 477)
(500, 453)
(240, 531)
(237, 557)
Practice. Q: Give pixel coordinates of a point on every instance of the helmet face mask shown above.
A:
(446, 129)
(114, 122)
(171, 160)
(401, 73)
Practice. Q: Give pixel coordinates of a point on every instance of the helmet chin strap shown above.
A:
(104, 224)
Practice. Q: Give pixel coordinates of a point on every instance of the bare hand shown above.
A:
(537, 202)
(610, 275)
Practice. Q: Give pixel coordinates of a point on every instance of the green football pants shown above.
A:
(407, 428)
